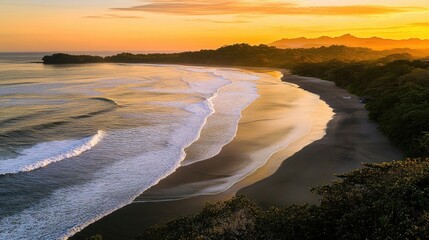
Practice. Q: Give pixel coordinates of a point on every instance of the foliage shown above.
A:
(398, 94)
(61, 58)
(233, 219)
(379, 201)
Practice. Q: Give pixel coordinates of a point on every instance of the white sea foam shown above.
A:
(233, 92)
(257, 159)
(43, 154)
(70, 209)
(298, 124)
(142, 156)
(222, 125)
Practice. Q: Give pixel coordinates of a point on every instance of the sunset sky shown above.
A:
(169, 25)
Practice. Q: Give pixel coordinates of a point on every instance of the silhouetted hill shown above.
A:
(375, 43)
(237, 55)
(61, 58)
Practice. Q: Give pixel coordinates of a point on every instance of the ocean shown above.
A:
(80, 141)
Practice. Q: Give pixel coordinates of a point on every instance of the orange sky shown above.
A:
(138, 25)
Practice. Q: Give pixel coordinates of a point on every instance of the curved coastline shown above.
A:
(351, 139)
(151, 206)
(281, 116)
(152, 150)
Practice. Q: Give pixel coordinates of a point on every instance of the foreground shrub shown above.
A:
(233, 219)
(379, 201)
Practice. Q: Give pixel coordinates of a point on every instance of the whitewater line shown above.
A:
(43, 154)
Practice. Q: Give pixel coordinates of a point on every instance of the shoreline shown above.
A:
(272, 181)
(351, 139)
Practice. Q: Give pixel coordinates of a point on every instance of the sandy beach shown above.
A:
(351, 139)
(288, 174)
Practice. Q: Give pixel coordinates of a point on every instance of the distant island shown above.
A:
(348, 40)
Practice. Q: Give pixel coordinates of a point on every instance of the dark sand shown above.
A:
(350, 140)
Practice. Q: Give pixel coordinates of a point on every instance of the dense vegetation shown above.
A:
(234, 55)
(397, 95)
(379, 201)
(61, 58)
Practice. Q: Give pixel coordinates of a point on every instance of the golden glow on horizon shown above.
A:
(133, 25)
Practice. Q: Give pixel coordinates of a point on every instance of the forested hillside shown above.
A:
(396, 95)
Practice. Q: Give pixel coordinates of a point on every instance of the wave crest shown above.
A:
(107, 100)
(43, 154)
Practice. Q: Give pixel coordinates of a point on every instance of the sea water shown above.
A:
(80, 141)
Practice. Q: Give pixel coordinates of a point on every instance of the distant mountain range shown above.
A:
(375, 43)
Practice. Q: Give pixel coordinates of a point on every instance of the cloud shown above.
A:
(217, 21)
(116, 16)
(218, 7)
(325, 29)
(420, 24)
